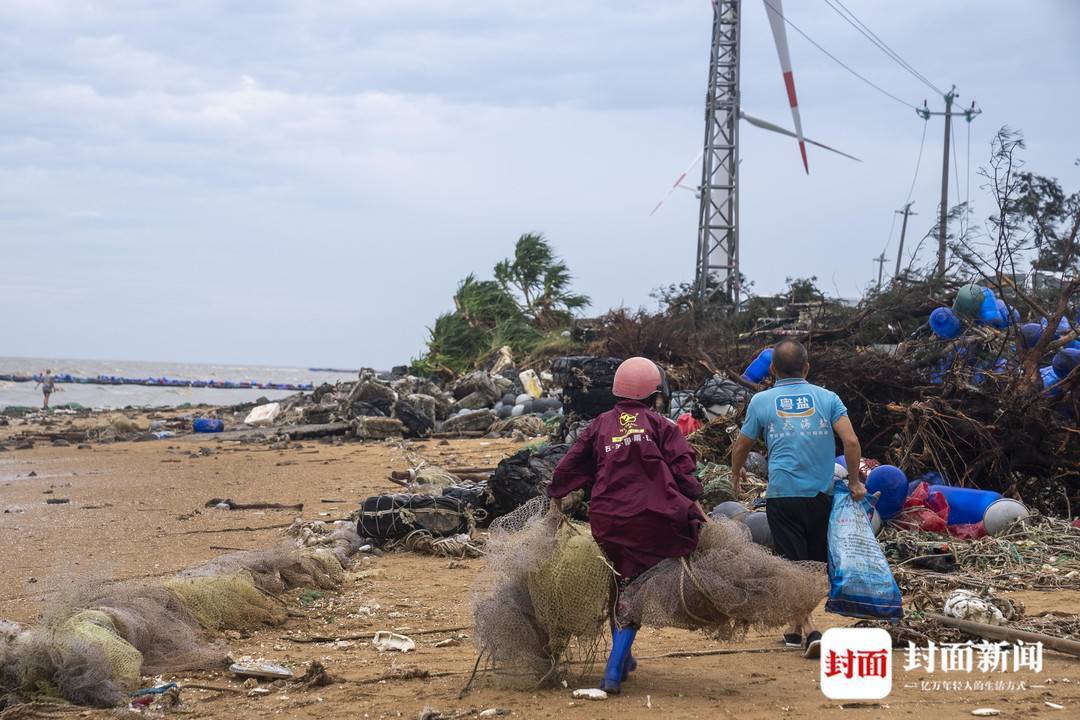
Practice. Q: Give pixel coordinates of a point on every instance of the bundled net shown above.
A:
(725, 587)
(226, 602)
(542, 600)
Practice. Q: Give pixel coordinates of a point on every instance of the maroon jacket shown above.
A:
(643, 486)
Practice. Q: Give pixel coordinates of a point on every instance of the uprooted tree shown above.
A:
(529, 302)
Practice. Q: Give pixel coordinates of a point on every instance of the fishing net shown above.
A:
(542, 600)
(34, 664)
(97, 640)
(226, 602)
(279, 568)
(148, 617)
(94, 627)
(725, 587)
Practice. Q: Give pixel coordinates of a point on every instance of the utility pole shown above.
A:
(880, 260)
(969, 114)
(903, 231)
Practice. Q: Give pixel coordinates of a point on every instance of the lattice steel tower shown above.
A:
(718, 218)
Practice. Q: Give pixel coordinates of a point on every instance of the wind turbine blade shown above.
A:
(775, 11)
(766, 125)
(677, 183)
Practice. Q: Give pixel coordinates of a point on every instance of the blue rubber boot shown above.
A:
(630, 664)
(621, 641)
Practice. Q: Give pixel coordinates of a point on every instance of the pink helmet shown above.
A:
(638, 378)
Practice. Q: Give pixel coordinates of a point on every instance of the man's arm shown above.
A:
(852, 455)
(739, 453)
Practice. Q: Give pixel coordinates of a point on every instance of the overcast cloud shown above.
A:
(305, 183)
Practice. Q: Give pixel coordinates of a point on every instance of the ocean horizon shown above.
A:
(119, 396)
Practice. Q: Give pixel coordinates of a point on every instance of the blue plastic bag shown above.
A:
(860, 582)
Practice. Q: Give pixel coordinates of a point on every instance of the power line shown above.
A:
(918, 162)
(848, 16)
(838, 61)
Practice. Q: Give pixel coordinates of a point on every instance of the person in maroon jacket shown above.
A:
(643, 505)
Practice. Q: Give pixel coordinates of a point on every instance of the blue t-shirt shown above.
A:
(795, 419)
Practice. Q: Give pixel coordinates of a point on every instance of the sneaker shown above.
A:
(813, 645)
(793, 640)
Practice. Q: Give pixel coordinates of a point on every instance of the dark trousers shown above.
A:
(800, 526)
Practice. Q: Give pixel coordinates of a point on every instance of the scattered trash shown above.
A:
(263, 415)
(966, 605)
(263, 669)
(385, 640)
(590, 694)
(985, 712)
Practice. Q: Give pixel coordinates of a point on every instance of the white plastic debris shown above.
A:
(246, 667)
(386, 640)
(1053, 705)
(263, 415)
(590, 694)
(493, 712)
(985, 712)
(966, 605)
(531, 382)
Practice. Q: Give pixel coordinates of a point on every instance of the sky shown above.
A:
(305, 183)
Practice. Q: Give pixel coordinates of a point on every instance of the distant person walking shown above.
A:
(799, 423)
(48, 384)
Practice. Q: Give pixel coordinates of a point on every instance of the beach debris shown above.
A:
(263, 415)
(589, 694)
(966, 605)
(260, 669)
(985, 712)
(385, 640)
(230, 504)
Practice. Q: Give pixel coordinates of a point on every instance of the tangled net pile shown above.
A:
(95, 643)
(725, 587)
(542, 601)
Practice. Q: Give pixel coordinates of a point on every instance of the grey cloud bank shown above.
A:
(305, 183)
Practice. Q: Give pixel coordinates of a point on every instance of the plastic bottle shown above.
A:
(944, 323)
(531, 382)
(758, 369)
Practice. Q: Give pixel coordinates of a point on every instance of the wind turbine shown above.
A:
(718, 216)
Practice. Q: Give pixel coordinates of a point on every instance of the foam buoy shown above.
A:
(730, 509)
(892, 483)
(759, 528)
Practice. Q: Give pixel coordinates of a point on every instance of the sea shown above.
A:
(119, 396)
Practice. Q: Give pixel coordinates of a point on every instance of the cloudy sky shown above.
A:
(305, 183)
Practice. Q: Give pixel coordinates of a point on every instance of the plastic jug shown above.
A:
(944, 323)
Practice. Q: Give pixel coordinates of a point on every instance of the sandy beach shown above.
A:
(135, 511)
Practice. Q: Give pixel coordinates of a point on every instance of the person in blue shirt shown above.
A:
(799, 423)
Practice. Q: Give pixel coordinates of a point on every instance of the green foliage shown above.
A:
(539, 282)
(802, 289)
(527, 305)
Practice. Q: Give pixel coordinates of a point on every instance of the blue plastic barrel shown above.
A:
(758, 369)
(892, 483)
(1065, 360)
(1049, 379)
(966, 505)
(1062, 327)
(207, 425)
(1030, 334)
(944, 323)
